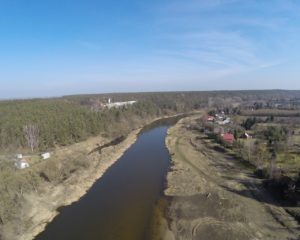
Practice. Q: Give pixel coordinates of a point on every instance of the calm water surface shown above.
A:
(119, 205)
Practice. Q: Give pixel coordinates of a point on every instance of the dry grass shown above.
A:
(289, 162)
(274, 112)
(225, 205)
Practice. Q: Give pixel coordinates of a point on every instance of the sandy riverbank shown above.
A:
(43, 207)
(215, 197)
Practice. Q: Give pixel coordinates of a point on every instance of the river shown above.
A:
(119, 205)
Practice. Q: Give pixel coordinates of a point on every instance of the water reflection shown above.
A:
(119, 205)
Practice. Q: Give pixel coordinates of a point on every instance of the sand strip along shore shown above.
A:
(215, 197)
(43, 207)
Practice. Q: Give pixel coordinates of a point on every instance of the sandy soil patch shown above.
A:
(215, 197)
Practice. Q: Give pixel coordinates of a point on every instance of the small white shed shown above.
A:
(19, 156)
(45, 155)
(21, 164)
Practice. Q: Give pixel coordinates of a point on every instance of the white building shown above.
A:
(119, 104)
(19, 156)
(45, 155)
(21, 164)
(224, 122)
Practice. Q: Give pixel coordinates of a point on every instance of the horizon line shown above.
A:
(134, 92)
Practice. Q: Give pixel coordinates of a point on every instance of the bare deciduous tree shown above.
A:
(272, 166)
(31, 134)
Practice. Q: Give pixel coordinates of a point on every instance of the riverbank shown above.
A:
(39, 208)
(43, 207)
(214, 196)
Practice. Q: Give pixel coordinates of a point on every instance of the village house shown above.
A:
(246, 135)
(224, 122)
(220, 116)
(21, 164)
(210, 119)
(45, 155)
(228, 137)
(218, 130)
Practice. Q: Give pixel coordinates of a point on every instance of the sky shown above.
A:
(54, 47)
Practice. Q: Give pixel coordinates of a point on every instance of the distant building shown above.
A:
(21, 164)
(19, 156)
(45, 155)
(218, 130)
(119, 104)
(210, 118)
(246, 135)
(228, 137)
(220, 117)
(224, 122)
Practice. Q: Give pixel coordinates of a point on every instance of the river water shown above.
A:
(119, 205)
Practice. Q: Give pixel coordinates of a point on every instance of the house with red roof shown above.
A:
(228, 137)
(210, 118)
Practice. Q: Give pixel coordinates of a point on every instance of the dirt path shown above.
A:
(216, 197)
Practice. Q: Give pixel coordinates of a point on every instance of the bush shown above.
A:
(261, 172)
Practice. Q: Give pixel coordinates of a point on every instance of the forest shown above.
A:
(40, 124)
(60, 122)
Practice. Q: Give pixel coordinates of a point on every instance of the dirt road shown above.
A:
(214, 196)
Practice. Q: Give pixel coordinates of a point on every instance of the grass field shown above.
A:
(289, 163)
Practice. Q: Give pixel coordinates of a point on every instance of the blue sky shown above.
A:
(52, 48)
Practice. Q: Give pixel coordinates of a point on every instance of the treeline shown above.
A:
(41, 124)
